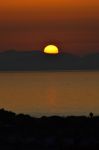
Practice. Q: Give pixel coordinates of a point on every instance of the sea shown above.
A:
(47, 93)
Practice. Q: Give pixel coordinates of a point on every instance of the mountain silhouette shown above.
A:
(37, 60)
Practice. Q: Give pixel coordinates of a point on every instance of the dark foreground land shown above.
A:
(48, 133)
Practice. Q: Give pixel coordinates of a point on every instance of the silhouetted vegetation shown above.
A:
(91, 115)
(19, 131)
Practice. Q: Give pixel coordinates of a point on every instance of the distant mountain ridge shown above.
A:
(37, 60)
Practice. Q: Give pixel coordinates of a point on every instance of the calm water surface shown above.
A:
(50, 93)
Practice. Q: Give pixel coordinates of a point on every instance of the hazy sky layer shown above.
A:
(73, 25)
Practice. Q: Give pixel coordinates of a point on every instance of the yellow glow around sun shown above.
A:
(51, 49)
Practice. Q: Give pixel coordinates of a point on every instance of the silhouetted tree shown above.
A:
(91, 115)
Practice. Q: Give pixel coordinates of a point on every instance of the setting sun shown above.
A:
(51, 49)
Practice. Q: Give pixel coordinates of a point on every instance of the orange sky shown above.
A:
(31, 24)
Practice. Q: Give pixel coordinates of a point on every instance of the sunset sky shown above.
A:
(73, 25)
